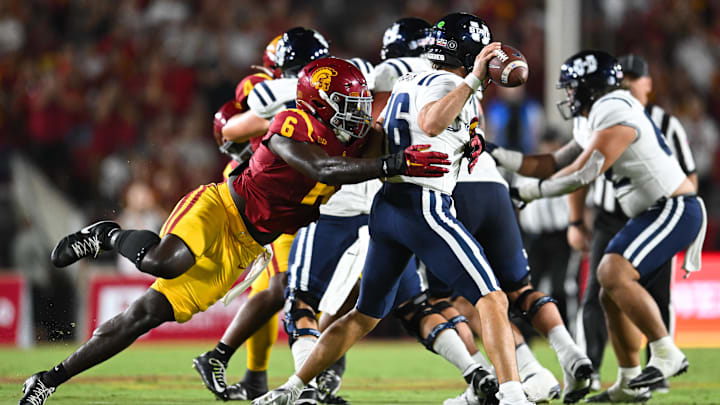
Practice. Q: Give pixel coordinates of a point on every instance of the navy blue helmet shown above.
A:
(297, 47)
(406, 37)
(586, 76)
(457, 39)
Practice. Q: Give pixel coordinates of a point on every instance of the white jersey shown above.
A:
(390, 70)
(367, 69)
(270, 97)
(354, 199)
(603, 193)
(646, 171)
(410, 94)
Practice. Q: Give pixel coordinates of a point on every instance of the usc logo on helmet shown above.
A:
(322, 77)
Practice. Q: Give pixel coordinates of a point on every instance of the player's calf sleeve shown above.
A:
(301, 349)
(524, 356)
(134, 244)
(449, 345)
(480, 359)
(260, 344)
(562, 342)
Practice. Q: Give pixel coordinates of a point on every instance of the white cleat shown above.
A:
(468, 397)
(617, 394)
(504, 401)
(576, 376)
(279, 396)
(539, 384)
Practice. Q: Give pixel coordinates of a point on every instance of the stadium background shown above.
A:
(105, 112)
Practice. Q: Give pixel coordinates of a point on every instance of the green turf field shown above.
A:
(378, 373)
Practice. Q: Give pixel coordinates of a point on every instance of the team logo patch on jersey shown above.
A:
(322, 77)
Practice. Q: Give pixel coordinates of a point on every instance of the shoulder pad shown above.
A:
(243, 89)
(293, 123)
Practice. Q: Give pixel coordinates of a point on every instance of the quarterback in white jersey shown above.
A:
(410, 217)
(666, 215)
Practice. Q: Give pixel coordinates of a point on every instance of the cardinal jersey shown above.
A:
(410, 94)
(246, 85)
(646, 171)
(278, 198)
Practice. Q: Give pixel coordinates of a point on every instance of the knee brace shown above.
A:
(534, 308)
(443, 305)
(418, 309)
(291, 318)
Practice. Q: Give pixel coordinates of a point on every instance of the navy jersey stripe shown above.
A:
(267, 89)
(405, 64)
(257, 93)
(396, 67)
(431, 79)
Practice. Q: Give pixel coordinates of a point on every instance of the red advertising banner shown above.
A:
(12, 307)
(696, 301)
(110, 295)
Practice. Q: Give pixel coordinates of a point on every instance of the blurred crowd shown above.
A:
(113, 99)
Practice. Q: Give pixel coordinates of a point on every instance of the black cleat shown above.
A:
(35, 391)
(652, 375)
(308, 396)
(212, 372)
(484, 385)
(328, 385)
(334, 400)
(243, 391)
(661, 387)
(89, 241)
(583, 371)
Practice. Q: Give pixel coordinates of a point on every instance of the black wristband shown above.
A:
(578, 222)
(393, 165)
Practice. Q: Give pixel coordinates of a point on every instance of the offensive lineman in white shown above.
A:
(666, 216)
(411, 216)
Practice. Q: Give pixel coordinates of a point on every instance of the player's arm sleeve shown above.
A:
(261, 101)
(681, 148)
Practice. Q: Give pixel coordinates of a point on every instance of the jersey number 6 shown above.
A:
(397, 129)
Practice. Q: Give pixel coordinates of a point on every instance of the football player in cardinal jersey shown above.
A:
(411, 216)
(218, 231)
(261, 342)
(620, 140)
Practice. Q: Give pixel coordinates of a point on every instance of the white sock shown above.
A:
(562, 343)
(663, 346)
(525, 357)
(626, 374)
(449, 345)
(480, 359)
(295, 383)
(301, 350)
(512, 391)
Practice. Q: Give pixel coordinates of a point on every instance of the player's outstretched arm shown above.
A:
(540, 165)
(312, 161)
(241, 127)
(604, 149)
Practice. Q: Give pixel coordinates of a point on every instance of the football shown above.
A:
(509, 67)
